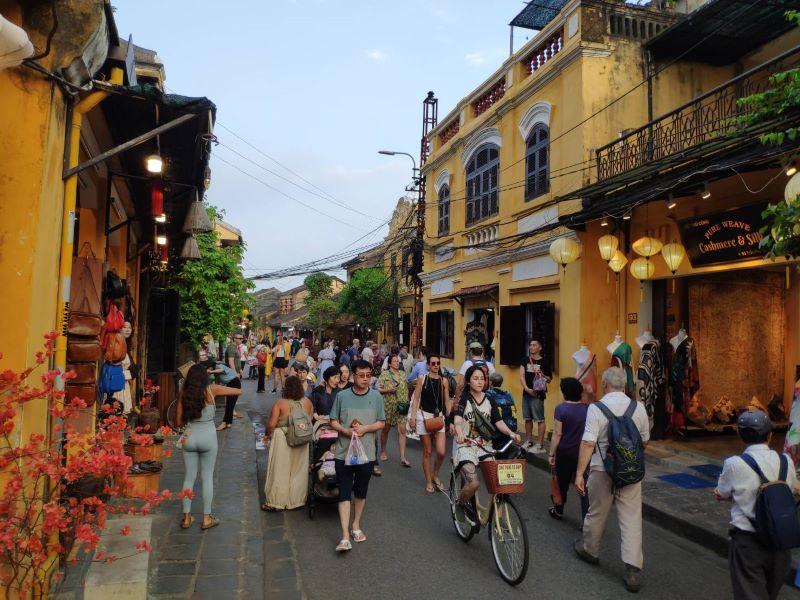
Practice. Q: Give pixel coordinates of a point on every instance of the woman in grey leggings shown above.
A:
(196, 409)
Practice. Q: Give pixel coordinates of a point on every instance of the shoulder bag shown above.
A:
(435, 423)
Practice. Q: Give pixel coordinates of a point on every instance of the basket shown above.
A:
(504, 476)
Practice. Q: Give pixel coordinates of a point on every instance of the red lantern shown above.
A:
(157, 198)
(163, 254)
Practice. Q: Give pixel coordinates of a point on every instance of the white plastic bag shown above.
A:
(356, 455)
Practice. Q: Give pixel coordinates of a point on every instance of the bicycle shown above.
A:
(507, 533)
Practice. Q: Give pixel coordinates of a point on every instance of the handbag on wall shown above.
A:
(83, 350)
(84, 372)
(87, 281)
(86, 392)
(116, 347)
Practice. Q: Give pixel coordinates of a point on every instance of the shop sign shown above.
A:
(510, 474)
(724, 237)
(633, 318)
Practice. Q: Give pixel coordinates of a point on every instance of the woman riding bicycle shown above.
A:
(469, 428)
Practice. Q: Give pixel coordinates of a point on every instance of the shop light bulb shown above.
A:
(705, 192)
(161, 240)
(670, 202)
(154, 163)
(626, 216)
(604, 222)
(792, 169)
(162, 218)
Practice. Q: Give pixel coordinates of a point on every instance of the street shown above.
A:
(413, 549)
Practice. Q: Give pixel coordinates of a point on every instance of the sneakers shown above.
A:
(633, 582)
(553, 512)
(539, 450)
(527, 445)
(584, 555)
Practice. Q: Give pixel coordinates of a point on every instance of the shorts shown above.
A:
(352, 480)
(280, 363)
(533, 408)
(421, 416)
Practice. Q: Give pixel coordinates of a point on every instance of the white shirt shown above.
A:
(739, 481)
(597, 425)
(468, 363)
(368, 355)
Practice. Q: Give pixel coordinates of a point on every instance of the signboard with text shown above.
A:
(723, 237)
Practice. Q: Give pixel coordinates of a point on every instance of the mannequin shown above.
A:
(679, 338)
(650, 373)
(622, 358)
(615, 344)
(586, 372)
(684, 377)
(645, 338)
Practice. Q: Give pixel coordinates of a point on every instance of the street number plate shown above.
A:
(510, 474)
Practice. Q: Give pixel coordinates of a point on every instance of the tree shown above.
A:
(321, 307)
(368, 297)
(213, 292)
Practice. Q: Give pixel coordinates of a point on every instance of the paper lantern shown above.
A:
(792, 189)
(618, 261)
(608, 245)
(156, 199)
(564, 251)
(642, 269)
(673, 254)
(647, 246)
(163, 254)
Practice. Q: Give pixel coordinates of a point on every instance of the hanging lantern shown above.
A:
(642, 269)
(197, 220)
(647, 246)
(792, 189)
(618, 262)
(608, 245)
(156, 198)
(564, 251)
(163, 254)
(191, 251)
(673, 254)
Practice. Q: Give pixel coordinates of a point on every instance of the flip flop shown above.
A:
(344, 546)
(405, 463)
(213, 522)
(384, 458)
(185, 525)
(438, 485)
(430, 490)
(358, 536)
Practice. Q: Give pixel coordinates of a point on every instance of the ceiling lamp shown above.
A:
(673, 254)
(792, 189)
(705, 192)
(670, 202)
(647, 246)
(154, 163)
(162, 218)
(191, 251)
(197, 220)
(626, 216)
(604, 222)
(161, 239)
(564, 251)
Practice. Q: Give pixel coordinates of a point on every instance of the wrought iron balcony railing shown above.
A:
(701, 120)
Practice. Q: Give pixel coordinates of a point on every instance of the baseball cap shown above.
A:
(755, 420)
(476, 346)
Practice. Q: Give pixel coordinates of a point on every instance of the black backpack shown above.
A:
(775, 522)
(624, 459)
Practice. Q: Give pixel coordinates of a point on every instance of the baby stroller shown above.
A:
(321, 470)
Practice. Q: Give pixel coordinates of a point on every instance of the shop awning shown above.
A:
(722, 31)
(488, 289)
(537, 14)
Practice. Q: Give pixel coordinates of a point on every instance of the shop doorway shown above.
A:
(480, 328)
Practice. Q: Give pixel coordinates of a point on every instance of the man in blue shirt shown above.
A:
(421, 366)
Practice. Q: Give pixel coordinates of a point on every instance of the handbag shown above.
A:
(435, 423)
(483, 426)
(114, 317)
(115, 287)
(112, 379)
(116, 347)
(83, 350)
(555, 491)
(84, 323)
(86, 392)
(84, 372)
(87, 281)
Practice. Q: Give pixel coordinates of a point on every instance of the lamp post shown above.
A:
(418, 186)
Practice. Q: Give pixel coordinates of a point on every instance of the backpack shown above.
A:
(448, 374)
(624, 459)
(460, 387)
(299, 430)
(508, 409)
(775, 522)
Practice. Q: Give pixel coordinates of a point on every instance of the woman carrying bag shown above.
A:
(429, 407)
(394, 389)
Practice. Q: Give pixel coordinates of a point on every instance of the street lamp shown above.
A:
(414, 172)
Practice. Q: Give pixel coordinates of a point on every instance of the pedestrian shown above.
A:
(326, 356)
(228, 378)
(252, 362)
(345, 379)
(280, 352)
(534, 374)
(392, 385)
(420, 367)
(243, 355)
(570, 423)
(602, 492)
(475, 358)
(508, 411)
(431, 400)
(356, 412)
(324, 394)
(286, 485)
(195, 409)
(263, 356)
(301, 372)
(756, 572)
(233, 360)
(367, 354)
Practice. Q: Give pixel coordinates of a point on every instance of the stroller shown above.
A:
(321, 471)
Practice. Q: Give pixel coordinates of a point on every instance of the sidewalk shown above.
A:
(246, 555)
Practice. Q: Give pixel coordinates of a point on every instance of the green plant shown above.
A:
(322, 308)
(368, 297)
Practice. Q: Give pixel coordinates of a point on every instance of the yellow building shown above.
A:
(514, 163)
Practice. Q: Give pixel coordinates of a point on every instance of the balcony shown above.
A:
(481, 239)
(543, 53)
(702, 120)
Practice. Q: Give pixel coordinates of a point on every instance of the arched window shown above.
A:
(444, 210)
(537, 175)
(482, 185)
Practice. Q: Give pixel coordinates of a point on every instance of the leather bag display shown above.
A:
(86, 392)
(116, 347)
(84, 324)
(84, 372)
(83, 350)
(87, 283)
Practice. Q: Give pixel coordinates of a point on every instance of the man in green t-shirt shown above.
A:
(357, 411)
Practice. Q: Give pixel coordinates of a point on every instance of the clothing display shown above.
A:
(614, 344)
(684, 379)
(650, 376)
(124, 395)
(621, 357)
(586, 372)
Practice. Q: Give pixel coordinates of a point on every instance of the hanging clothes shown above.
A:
(684, 382)
(650, 377)
(587, 373)
(622, 359)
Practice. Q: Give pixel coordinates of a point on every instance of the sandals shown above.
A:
(358, 536)
(405, 463)
(438, 485)
(376, 470)
(222, 426)
(430, 489)
(212, 522)
(344, 546)
(187, 524)
(384, 458)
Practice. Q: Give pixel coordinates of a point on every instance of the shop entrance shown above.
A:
(480, 328)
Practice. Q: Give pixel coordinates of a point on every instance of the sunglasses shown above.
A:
(434, 364)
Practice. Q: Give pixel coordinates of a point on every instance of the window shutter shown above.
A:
(432, 331)
(512, 335)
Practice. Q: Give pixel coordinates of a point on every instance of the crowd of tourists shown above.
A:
(359, 394)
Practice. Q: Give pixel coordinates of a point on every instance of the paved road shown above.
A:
(412, 549)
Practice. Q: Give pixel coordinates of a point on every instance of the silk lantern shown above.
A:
(564, 251)
(156, 199)
(673, 254)
(647, 246)
(641, 269)
(608, 245)
(616, 264)
(792, 189)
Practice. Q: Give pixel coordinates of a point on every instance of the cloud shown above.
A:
(376, 55)
(475, 59)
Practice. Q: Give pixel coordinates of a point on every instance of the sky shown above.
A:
(312, 89)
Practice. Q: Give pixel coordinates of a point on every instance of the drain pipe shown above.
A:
(68, 219)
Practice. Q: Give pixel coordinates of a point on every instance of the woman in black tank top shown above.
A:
(431, 399)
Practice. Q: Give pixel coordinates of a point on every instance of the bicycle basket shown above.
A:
(504, 476)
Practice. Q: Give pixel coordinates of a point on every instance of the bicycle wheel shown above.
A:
(509, 539)
(172, 414)
(464, 528)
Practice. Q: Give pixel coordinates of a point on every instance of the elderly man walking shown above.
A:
(602, 490)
